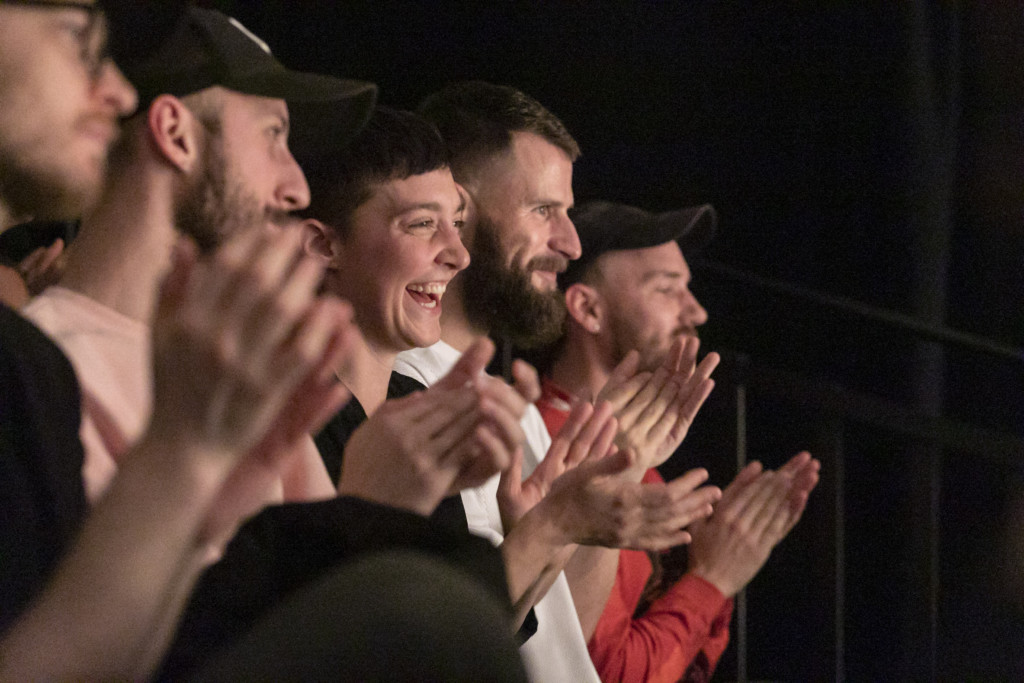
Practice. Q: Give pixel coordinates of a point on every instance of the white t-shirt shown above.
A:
(557, 652)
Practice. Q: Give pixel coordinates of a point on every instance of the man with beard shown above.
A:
(514, 159)
(631, 291)
(205, 158)
(90, 596)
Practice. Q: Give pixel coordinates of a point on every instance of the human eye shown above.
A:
(459, 224)
(86, 34)
(544, 210)
(423, 223)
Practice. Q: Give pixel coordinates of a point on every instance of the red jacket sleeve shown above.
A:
(688, 624)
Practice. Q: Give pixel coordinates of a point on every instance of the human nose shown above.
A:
(692, 313)
(292, 191)
(454, 253)
(564, 238)
(114, 89)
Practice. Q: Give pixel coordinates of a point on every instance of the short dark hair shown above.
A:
(394, 145)
(477, 120)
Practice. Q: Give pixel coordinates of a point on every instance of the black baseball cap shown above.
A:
(607, 226)
(199, 48)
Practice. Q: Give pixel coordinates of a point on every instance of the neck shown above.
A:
(367, 372)
(456, 330)
(123, 247)
(580, 367)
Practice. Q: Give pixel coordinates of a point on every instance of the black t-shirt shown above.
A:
(42, 499)
(332, 438)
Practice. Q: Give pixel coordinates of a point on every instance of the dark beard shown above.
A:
(42, 194)
(503, 301)
(209, 209)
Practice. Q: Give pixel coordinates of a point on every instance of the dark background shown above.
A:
(864, 151)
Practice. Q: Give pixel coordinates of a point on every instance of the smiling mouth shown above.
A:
(429, 295)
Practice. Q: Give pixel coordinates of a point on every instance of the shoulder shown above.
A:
(427, 365)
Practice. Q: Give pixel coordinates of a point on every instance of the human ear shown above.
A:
(173, 130)
(585, 307)
(321, 241)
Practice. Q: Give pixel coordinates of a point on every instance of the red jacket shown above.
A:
(684, 631)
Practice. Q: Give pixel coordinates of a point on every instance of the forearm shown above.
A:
(690, 618)
(591, 575)
(136, 552)
(534, 552)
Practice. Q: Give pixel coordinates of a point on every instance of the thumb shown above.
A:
(511, 479)
(470, 364)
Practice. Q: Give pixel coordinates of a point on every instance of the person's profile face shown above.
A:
(526, 195)
(400, 250)
(60, 100)
(648, 301)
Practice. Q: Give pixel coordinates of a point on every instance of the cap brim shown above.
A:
(325, 112)
(692, 227)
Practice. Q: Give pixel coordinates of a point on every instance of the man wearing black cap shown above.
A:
(84, 597)
(628, 302)
(207, 157)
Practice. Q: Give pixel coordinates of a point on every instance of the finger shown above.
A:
(604, 444)
(767, 495)
(304, 349)
(492, 457)
(506, 425)
(630, 413)
(686, 482)
(747, 475)
(623, 382)
(581, 446)
(808, 477)
(525, 380)
(272, 318)
(579, 414)
(675, 424)
(775, 511)
(224, 267)
(796, 463)
(660, 406)
(496, 390)
(676, 357)
(451, 422)
(255, 291)
(470, 364)
(511, 480)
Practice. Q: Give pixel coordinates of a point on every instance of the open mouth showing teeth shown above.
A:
(428, 296)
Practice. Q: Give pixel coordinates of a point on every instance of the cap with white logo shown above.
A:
(207, 48)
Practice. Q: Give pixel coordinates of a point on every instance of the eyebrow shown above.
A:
(652, 274)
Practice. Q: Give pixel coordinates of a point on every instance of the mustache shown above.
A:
(556, 264)
(279, 217)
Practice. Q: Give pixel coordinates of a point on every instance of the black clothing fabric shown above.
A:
(42, 498)
(332, 439)
(397, 616)
(287, 547)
